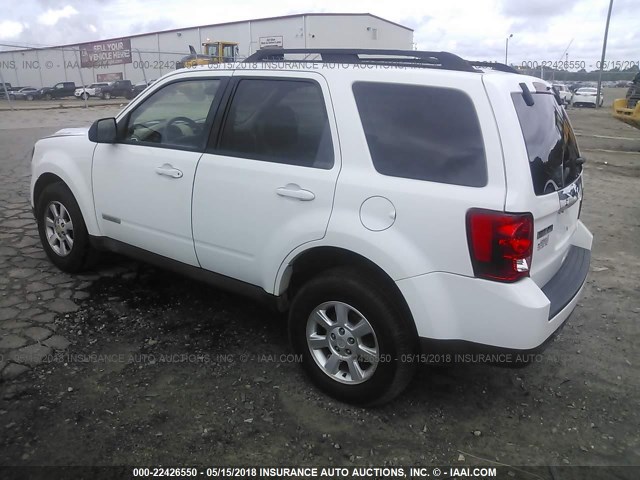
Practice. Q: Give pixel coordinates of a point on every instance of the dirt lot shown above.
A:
(162, 370)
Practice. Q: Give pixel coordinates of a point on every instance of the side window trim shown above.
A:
(222, 112)
(208, 124)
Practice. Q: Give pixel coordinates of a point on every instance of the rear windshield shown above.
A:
(422, 132)
(551, 143)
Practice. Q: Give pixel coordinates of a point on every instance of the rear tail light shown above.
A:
(500, 244)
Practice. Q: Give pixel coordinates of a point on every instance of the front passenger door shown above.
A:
(143, 184)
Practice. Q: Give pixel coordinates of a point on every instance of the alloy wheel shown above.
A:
(342, 342)
(59, 228)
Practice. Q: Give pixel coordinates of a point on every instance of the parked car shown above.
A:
(138, 88)
(59, 90)
(575, 86)
(89, 90)
(119, 88)
(25, 93)
(381, 208)
(586, 97)
(563, 92)
(4, 86)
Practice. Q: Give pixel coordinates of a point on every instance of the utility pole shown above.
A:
(604, 50)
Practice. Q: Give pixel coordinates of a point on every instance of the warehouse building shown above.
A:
(149, 56)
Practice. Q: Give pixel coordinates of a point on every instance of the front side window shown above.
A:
(422, 133)
(281, 121)
(175, 115)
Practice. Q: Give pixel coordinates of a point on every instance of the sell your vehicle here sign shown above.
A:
(111, 52)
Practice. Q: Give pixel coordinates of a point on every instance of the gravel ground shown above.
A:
(146, 367)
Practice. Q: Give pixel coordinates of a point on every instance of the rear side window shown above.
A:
(281, 121)
(551, 143)
(423, 133)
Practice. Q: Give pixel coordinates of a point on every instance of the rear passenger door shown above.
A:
(267, 181)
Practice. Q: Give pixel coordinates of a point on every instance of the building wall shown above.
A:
(358, 32)
(155, 54)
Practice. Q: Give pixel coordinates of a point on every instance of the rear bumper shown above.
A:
(520, 316)
(568, 281)
(585, 101)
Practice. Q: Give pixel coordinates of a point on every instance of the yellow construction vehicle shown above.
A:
(212, 52)
(628, 109)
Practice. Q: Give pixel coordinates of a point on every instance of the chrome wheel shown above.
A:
(342, 342)
(58, 228)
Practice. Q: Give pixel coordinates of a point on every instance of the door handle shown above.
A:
(168, 171)
(294, 191)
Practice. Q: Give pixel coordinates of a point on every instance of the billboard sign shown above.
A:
(271, 42)
(109, 77)
(102, 54)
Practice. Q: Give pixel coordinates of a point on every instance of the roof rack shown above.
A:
(501, 67)
(444, 60)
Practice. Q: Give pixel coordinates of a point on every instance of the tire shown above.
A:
(30, 98)
(391, 341)
(85, 96)
(12, 97)
(75, 253)
(106, 96)
(48, 96)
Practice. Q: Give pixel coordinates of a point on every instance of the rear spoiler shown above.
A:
(500, 67)
(540, 88)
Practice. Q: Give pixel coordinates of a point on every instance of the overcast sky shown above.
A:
(474, 29)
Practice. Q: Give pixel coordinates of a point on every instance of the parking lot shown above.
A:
(65, 103)
(129, 364)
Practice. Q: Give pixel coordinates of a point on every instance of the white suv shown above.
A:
(89, 91)
(393, 202)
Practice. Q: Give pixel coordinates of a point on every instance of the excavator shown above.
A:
(212, 52)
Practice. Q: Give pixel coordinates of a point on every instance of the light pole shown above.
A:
(506, 50)
(604, 50)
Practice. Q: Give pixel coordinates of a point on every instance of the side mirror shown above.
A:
(104, 130)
